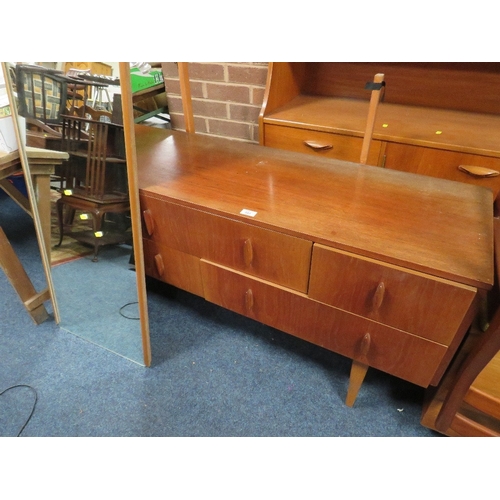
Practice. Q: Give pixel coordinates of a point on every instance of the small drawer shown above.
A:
(324, 144)
(171, 266)
(451, 165)
(399, 353)
(430, 307)
(270, 255)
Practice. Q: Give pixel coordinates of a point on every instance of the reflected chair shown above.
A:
(471, 406)
(42, 95)
(95, 182)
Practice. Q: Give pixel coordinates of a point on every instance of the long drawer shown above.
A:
(270, 255)
(396, 352)
(430, 307)
(323, 144)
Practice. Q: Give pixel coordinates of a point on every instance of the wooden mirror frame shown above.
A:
(31, 192)
(135, 214)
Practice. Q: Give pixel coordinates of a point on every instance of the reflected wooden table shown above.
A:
(42, 166)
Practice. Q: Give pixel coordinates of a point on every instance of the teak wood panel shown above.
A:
(406, 356)
(434, 226)
(321, 144)
(271, 255)
(410, 301)
(462, 86)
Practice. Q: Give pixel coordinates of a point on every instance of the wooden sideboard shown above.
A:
(382, 266)
(435, 119)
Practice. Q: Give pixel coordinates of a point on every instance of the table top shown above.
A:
(439, 227)
(41, 161)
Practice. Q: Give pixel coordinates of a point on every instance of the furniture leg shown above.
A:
(14, 270)
(42, 190)
(60, 206)
(358, 372)
(97, 217)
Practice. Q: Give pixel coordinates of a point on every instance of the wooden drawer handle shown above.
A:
(478, 171)
(365, 345)
(318, 146)
(248, 252)
(249, 300)
(160, 267)
(378, 297)
(149, 221)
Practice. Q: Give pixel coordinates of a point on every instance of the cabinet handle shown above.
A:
(378, 296)
(248, 252)
(365, 344)
(318, 146)
(249, 300)
(149, 221)
(478, 171)
(160, 267)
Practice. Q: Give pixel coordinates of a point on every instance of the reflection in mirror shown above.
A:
(71, 110)
(14, 167)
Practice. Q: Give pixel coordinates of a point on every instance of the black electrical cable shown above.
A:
(34, 403)
(123, 307)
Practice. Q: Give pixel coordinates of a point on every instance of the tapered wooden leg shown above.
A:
(14, 270)
(358, 372)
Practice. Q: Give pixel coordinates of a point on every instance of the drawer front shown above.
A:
(444, 164)
(430, 307)
(403, 355)
(171, 266)
(270, 255)
(324, 144)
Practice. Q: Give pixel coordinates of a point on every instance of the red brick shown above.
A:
(257, 96)
(231, 93)
(209, 108)
(206, 71)
(243, 113)
(170, 70)
(172, 86)
(251, 75)
(230, 129)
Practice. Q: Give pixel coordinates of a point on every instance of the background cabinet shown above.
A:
(434, 118)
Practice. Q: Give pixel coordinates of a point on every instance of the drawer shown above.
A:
(323, 144)
(399, 353)
(270, 255)
(430, 307)
(171, 266)
(444, 164)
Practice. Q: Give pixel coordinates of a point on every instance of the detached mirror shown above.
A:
(95, 246)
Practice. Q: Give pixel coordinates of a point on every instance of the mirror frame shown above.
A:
(31, 192)
(135, 212)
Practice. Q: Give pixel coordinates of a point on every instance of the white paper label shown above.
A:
(251, 213)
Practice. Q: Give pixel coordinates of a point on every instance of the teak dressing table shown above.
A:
(382, 266)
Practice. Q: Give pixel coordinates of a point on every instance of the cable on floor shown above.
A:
(34, 403)
(123, 307)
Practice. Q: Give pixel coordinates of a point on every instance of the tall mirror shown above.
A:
(94, 248)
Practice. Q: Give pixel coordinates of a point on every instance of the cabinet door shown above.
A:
(444, 164)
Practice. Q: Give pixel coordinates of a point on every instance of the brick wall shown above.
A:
(226, 98)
